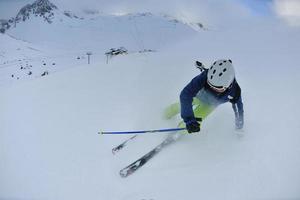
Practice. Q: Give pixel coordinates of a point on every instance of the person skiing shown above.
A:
(205, 92)
(214, 86)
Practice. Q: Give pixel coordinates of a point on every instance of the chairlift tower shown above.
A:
(89, 54)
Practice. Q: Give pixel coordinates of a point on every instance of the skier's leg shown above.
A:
(200, 111)
(174, 109)
(203, 110)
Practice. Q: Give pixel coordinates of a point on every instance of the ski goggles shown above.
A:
(219, 89)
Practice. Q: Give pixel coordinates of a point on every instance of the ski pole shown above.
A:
(123, 144)
(140, 132)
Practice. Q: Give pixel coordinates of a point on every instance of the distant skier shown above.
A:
(214, 86)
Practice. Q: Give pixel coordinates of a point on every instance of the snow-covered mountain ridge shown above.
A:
(68, 36)
(41, 8)
(48, 11)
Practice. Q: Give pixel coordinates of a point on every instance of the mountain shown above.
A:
(48, 11)
(40, 8)
(61, 37)
(6, 24)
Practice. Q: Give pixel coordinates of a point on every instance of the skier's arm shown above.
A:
(187, 94)
(238, 108)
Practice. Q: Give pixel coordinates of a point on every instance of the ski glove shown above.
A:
(192, 126)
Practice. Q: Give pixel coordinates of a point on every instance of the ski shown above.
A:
(122, 145)
(130, 169)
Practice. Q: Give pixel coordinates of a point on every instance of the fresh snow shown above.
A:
(50, 149)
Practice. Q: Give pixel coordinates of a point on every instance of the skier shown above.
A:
(214, 86)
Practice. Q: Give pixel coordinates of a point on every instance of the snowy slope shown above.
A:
(45, 24)
(13, 49)
(63, 39)
(133, 31)
(50, 149)
(17, 57)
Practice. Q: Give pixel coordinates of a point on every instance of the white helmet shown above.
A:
(221, 74)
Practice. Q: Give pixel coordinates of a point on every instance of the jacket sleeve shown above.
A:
(238, 108)
(187, 94)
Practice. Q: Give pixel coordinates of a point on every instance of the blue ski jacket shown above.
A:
(199, 88)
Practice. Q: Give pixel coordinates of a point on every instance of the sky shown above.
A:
(261, 7)
(208, 11)
(288, 10)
